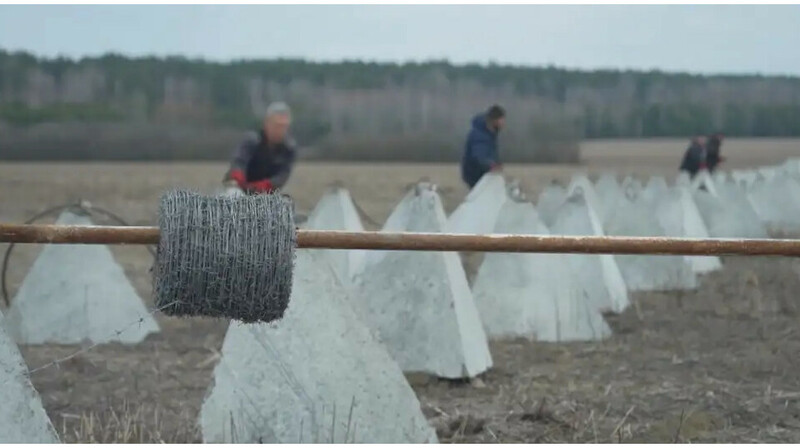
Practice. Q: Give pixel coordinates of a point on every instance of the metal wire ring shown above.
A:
(50, 211)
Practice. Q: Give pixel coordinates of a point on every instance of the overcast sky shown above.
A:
(704, 39)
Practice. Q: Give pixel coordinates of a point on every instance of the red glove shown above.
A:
(239, 177)
(496, 167)
(703, 166)
(261, 186)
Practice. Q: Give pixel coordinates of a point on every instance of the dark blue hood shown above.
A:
(479, 124)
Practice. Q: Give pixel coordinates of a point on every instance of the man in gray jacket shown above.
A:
(263, 162)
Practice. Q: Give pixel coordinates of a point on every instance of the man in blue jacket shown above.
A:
(480, 151)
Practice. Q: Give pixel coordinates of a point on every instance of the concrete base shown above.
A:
(22, 417)
(599, 275)
(318, 375)
(77, 293)
(532, 295)
(419, 303)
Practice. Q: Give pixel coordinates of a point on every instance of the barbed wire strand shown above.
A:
(116, 333)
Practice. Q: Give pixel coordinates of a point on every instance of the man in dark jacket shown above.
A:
(695, 158)
(480, 151)
(712, 148)
(263, 162)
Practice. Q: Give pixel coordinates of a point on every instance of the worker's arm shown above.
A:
(241, 158)
(484, 152)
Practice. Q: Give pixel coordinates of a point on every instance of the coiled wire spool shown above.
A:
(223, 256)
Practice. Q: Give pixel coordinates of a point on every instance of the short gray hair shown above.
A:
(278, 108)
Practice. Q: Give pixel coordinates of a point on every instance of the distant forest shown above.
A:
(421, 110)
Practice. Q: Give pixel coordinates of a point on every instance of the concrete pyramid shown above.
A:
(633, 216)
(336, 211)
(632, 187)
(550, 200)
(599, 275)
(768, 172)
(77, 293)
(532, 295)
(679, 217)
(776, 202)
(419, 303)
(318, 375)
(606, 182)
(478, 212)
(655, 188)
(792, 167)
(630, 191)
(22, 417)
(398, 220)
(683, 180)
(745, 178)
(608, 192)
(720, 177)
(580, 184)
(727, 213)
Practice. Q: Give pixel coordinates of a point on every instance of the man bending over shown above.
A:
(480, 150)
(263, 162)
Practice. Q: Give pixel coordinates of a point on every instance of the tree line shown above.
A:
(429, 105)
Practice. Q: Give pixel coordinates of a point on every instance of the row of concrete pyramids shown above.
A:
(547, 297)
(773, 193)
(420, 316)
(515, 294)
(289, 381)
(71, 295)
(420, 306)
(319, 375)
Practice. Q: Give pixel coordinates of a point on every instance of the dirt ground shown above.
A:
(715, 365)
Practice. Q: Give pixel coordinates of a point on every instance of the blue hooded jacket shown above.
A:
(480, 151)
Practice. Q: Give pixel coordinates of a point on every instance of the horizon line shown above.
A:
(386, 62)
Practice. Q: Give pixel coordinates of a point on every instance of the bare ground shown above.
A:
(717, 365)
